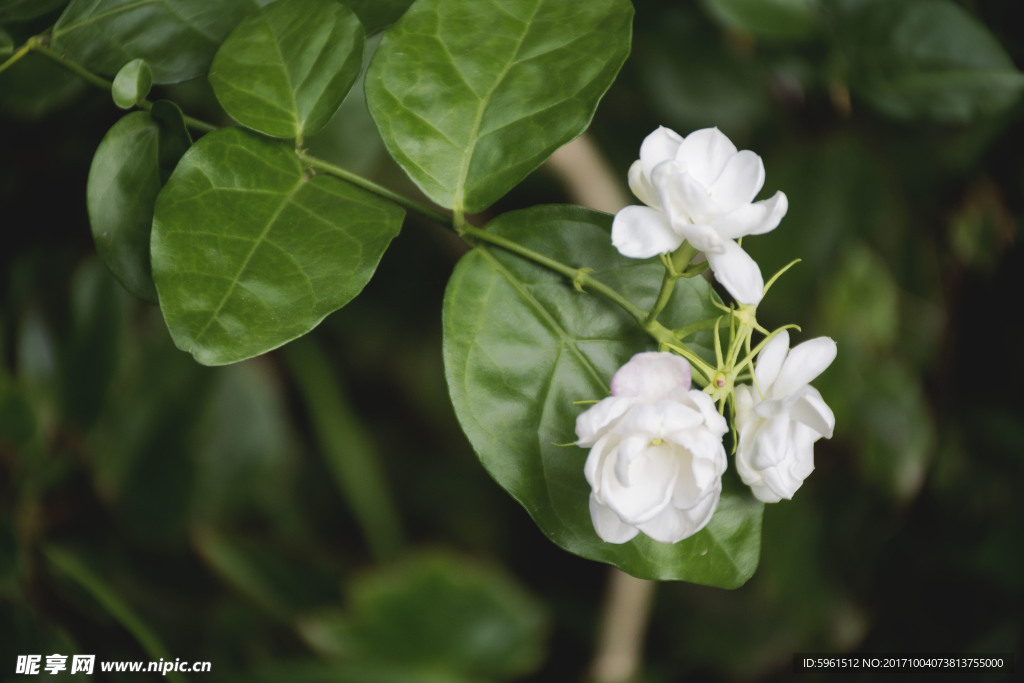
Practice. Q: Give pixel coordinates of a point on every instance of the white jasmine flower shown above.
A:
(699, 189)
(656, 458)
(779, 424)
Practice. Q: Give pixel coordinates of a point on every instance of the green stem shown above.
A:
(72, 66)
(36, 45)
(699, 326)
(676, 266)
(579, 276)
(376, 189)
(16, 57)
(705, 370)
(193, 123)
(668, 286)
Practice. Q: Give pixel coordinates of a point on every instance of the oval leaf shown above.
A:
(124, 180)
(778, 19)
(132, 83)
(441, 613)
(250, 251)
(469, 98)
(929, 59)
(286, 69)
(521, 345)
(177, 37)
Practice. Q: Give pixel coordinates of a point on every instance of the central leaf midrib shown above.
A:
(460, 188)
(245, 264)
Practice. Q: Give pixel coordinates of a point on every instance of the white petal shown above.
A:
(738, 273)
(684, 198)
(651, 375)
(673, 525)
(640, 183)
(804, 362)
(745, 400)
(748, 473)
(714, 422)
(803, 463)
(607, 524)
(770, 360)
(772, 444)
(643, 232)
(652, 480)
(660, 420)
(811, 410)
(596, 419)
(629, 449)
(595, 461)
(705, 153)
(703, 237)
(781, 481)
(753, 219)
(740, 181)
(659, 146)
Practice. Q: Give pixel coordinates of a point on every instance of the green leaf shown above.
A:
(250, 250)
(177, 37)
(280, 585)
(471, 97)
(521, 345)
(347, 447)
(93, 346)
(243, 450)
(785, 19)
(78, 570)
(127, 172)
(18, 423)
(23, 10)
(132, 83)
(928, 59)
(378, 14)
(285, 69)
(440, 613)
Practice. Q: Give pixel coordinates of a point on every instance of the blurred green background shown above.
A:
(316, 514)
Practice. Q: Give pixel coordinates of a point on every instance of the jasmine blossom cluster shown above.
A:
(656, 455)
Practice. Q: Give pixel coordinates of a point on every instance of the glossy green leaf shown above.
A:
(928, 59)
(124, 180)
(471, 97)
(440, 613)
(250, 250)
(23, 10)
(378, 14)
(132, 83)
(767, 18)
(286, 68)
(521, 345)
(177, 37)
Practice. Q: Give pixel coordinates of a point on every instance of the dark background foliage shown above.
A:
(234, 511)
